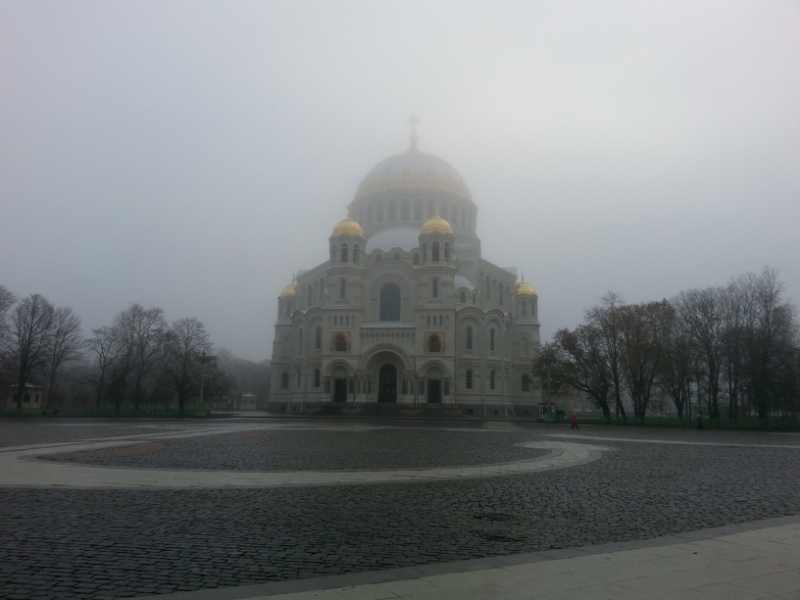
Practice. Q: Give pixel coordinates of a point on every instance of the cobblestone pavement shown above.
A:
(71, 543)
(318, 450)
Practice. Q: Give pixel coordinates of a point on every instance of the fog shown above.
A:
(193, 155)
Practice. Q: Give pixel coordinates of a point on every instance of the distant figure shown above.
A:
(574, 421)
(700, 425)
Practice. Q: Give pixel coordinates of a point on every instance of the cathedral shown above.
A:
(405, 309)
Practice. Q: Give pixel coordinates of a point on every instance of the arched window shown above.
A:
(392, 210)
(434, 344)
(300, 340)
(416, 259)
(318, 338)
(299, 378)
(492, 380)
(435, 252)
(344, 253)
(333, 253)
(462, 297)
(343, 288)
(340, 343)
(316, 378)
(286, 345)
(397, 256)
(380, 212)
(469, 337)
(491, 339)
(404, 209)
(469, 379)
(500, 293)
(488, 287)
(355, 254)
(435, 288)
(526, 383)
(285, 380)
(523, 308)
(378, 257)
(322, 290)
(418, 210)
(446, 252)
(424, 252)
(390, 303)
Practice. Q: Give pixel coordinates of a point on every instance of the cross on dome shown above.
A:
(413, 121)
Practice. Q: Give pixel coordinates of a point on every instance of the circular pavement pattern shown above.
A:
(103, 543)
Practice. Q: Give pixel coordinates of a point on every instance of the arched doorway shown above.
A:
(433, 379)
(387, 384)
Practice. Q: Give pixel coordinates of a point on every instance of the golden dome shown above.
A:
(436, 224)
(525, 289)
(348, 227)
(289, 291)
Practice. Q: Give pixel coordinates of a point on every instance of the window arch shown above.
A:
(404, 209)
(462, 297)
(355, 254)
(469, 337)
(300, 340)
(435, 252)
(340, 343)
(434, 343)
(342, 288)
(469, 379)
(500, 293)
(344, 257)
(380, 212)
(435, 288)
(416, 259)
(392, 209)
(523, 308)
(491, 339)
(492, 379)
(318, 338)
(397, 256)
(390, 303)
(526, 383)
(446, 252)
(299, 379)
(285, 380)
(378, 257)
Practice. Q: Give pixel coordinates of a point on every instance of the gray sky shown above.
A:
(192, 155)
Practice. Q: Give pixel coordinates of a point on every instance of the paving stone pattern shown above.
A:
(320, 450)
(117, 543)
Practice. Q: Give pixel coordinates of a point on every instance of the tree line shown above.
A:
(730, 351)
(138, 361)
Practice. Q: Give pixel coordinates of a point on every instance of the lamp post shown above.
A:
(203, 359)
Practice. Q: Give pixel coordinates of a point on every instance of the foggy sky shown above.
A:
(193, 155)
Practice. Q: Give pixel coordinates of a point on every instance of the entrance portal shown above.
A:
(387, 384)
(434, 391)
(340, 390)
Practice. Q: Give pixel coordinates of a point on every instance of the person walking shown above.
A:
(574, 421)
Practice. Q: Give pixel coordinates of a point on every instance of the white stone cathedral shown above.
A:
(405, 309)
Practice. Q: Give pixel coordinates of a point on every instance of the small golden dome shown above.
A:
(525, 289)
(348, 227)
(436, 224)
(289, 291)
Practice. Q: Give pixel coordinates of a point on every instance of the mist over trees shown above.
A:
(727, 351)
(139, 362)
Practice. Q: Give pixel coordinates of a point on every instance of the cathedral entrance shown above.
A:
(387, 384)
(340, 390)
(434, 391)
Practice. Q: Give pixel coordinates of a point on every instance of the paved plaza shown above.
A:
(247, 507)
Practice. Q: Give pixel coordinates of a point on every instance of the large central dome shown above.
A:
(412, 170)
(405, 190)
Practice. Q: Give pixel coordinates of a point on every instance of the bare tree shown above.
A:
(607, 318)
(578, 361)
(107, 349)
(185, 344)
(30, 340)
(644, 333)
(677, 368)
(141, 331)
(66, 342)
